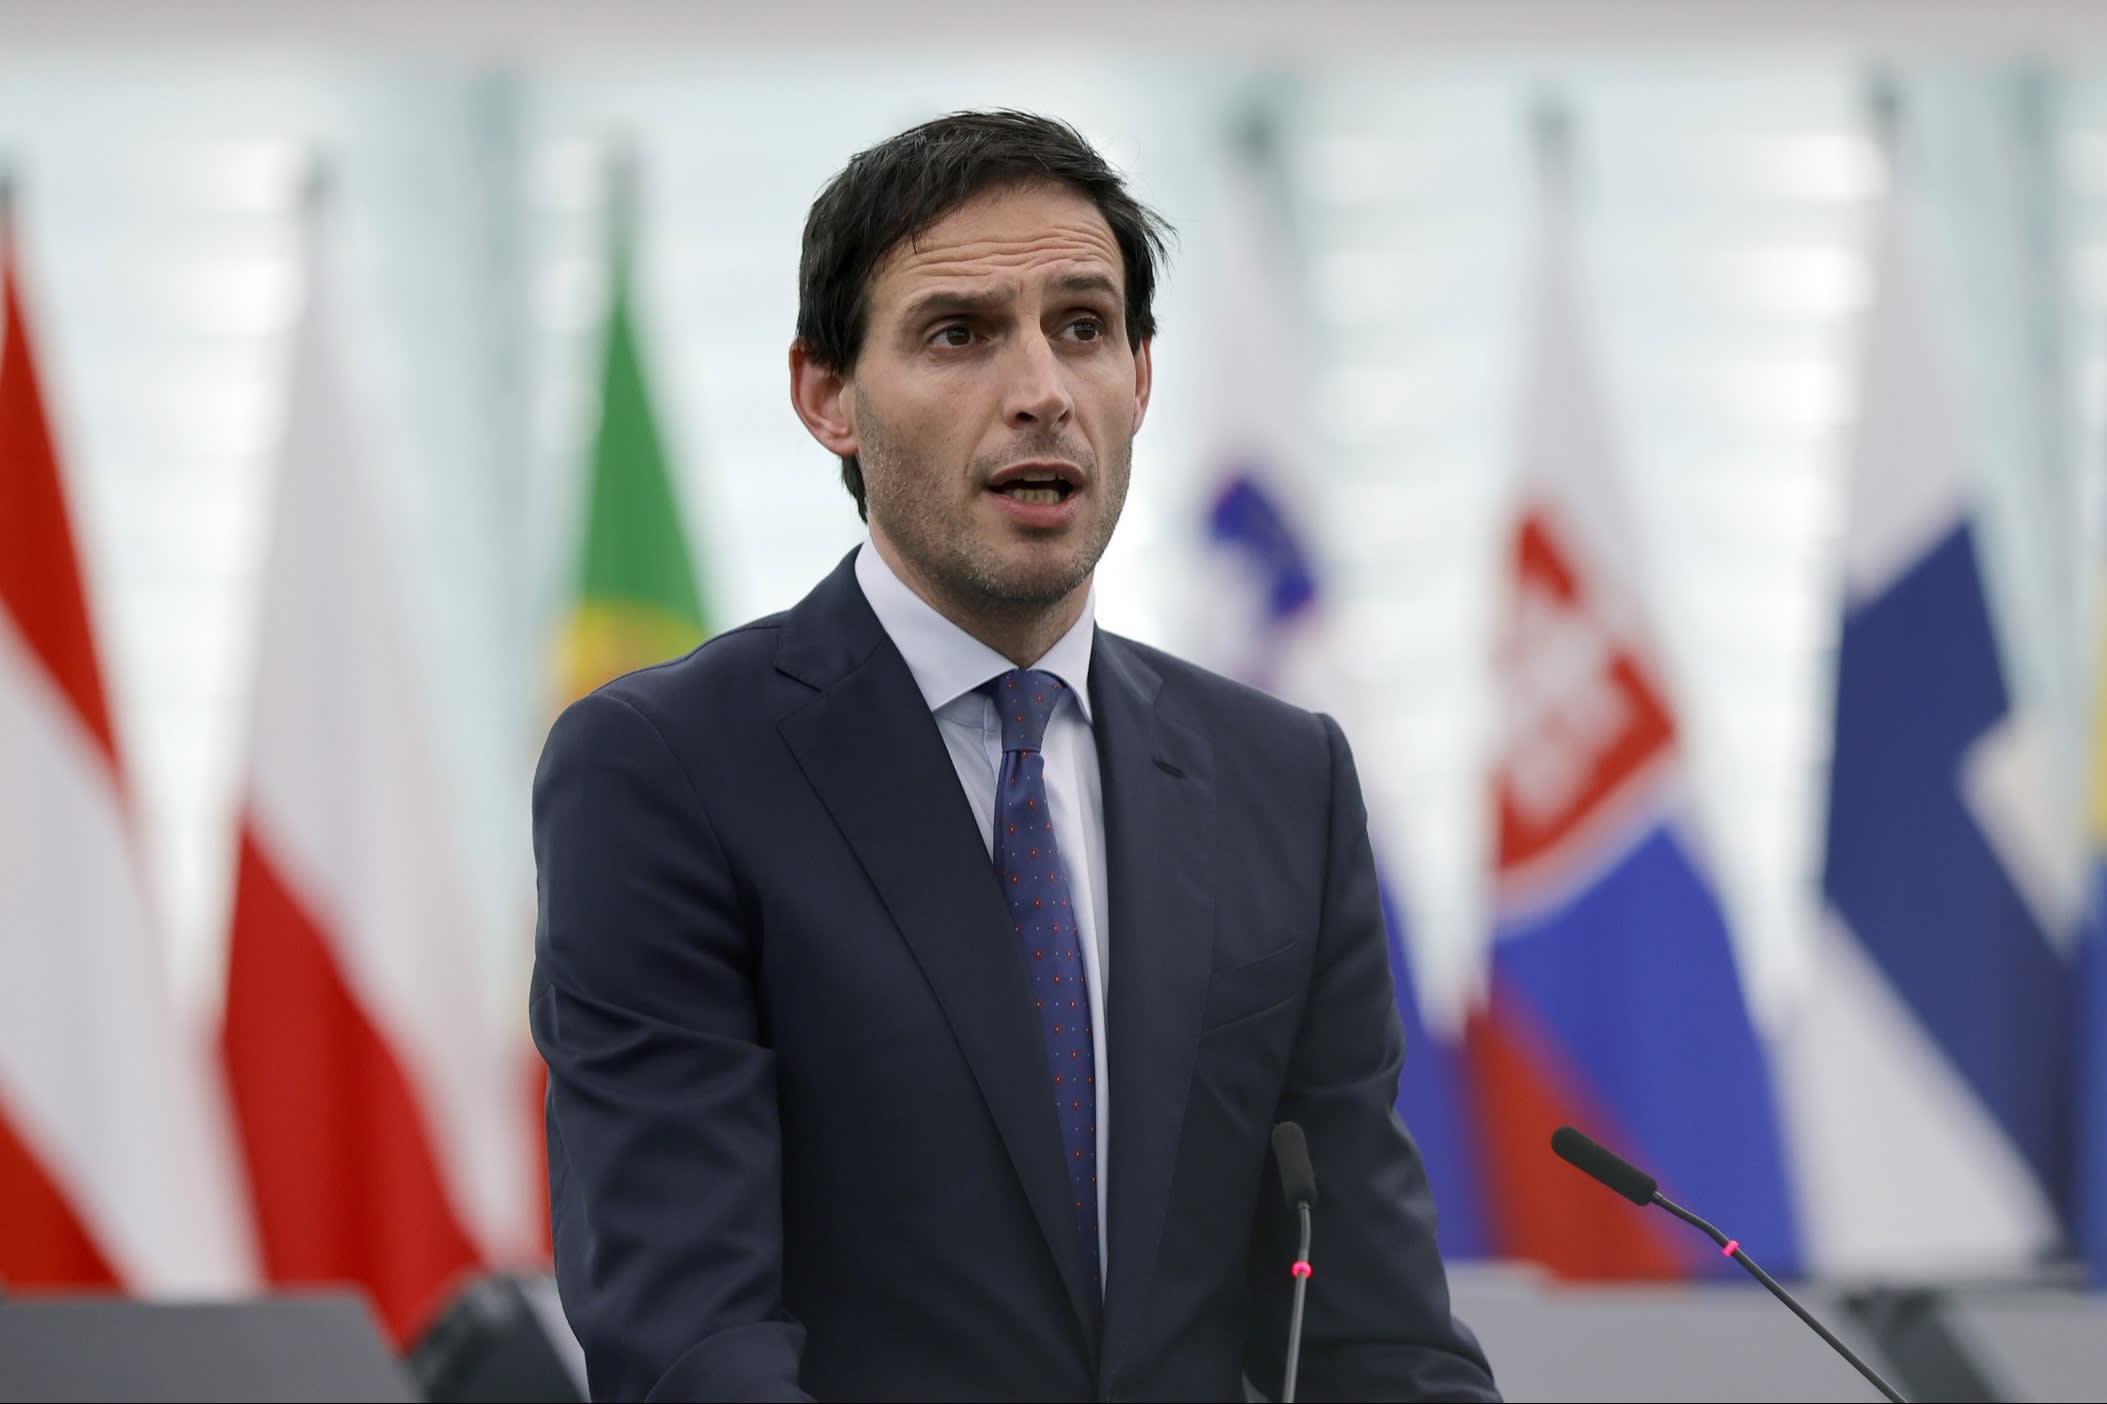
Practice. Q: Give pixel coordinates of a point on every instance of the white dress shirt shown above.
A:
(949, 665)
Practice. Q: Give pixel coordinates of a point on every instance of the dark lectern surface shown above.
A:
(295, 1347)
(1715, 1342)
(2043, 1346)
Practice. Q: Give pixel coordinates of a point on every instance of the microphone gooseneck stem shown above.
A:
(1732, 1249)
(1302, 1283)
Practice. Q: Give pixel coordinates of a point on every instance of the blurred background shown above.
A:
(1654, 429)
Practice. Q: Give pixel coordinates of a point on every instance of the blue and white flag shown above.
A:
(1265, 622)
(2089, 1193)
(1930, 1052)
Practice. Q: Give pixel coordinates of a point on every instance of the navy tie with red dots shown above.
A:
(1028, 863)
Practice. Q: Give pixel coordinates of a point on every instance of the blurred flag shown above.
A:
(1262, 621)
(115, 1170)
(1615, 1000)
(1929, 1056)
(2091, 1188)
(369, 1088)
(637, 601)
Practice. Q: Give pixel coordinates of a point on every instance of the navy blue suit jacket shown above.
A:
(800, 1132)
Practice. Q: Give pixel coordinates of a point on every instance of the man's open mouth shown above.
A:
(1037, 491)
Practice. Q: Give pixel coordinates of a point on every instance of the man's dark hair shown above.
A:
(900, 187)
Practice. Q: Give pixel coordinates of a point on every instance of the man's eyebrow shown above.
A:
(1086, 282)
(948, 302)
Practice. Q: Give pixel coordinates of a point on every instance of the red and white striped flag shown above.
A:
(114, 1167)
(379, 1123)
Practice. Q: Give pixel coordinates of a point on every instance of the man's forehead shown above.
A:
(1003, 238)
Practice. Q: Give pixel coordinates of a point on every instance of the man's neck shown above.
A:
(1020, 631)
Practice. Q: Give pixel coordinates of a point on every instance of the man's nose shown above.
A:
(1038, 390)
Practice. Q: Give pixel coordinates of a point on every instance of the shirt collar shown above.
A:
(947, 662)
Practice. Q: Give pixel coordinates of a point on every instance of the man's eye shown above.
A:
(952, 336)
(1087, 328)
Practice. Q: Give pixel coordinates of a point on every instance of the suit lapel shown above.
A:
(1159, 834)
(869, 747)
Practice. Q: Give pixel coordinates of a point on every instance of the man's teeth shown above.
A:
(1033, 494)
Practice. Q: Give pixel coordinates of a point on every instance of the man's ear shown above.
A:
(824, 399)
(1144, 376)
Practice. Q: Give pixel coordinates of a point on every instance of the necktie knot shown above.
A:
(1025, 700)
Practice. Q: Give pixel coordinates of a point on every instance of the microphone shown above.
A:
(1297, 1176)
(1599, 1163)
(1298, 1180)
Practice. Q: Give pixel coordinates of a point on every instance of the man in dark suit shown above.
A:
(921, 972)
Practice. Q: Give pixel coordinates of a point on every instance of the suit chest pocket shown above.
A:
(1247, 1037)
(1253, 988)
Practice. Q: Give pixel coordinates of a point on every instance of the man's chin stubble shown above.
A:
(1013, 595)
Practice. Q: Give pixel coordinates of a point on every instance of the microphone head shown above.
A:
(1591, 1159)
(1297, 1176)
